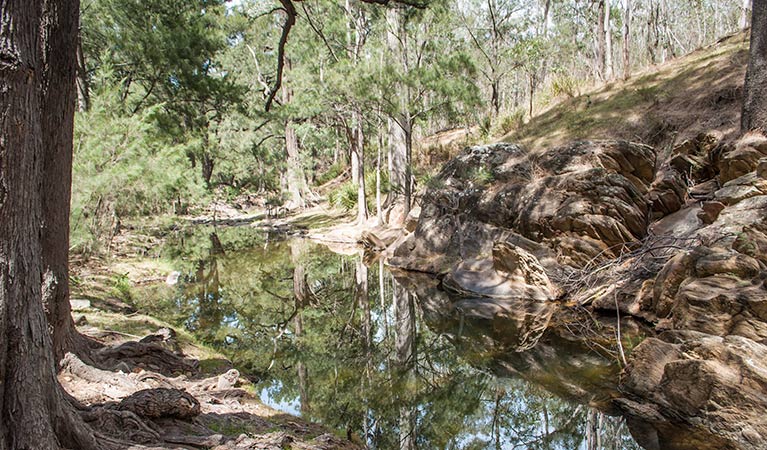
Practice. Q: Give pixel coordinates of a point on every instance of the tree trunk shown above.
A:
(398, 200)
(296, 177)
(208, 163)
(627, 40)
(754, 116)
(33, 411)
(379, 213)
(744, 10)
(600, 35)
(83, 86)
(609, 68)
(358, 142)
(58, 109)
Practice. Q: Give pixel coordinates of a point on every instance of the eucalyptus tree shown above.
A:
(427, 73)
(754, 115)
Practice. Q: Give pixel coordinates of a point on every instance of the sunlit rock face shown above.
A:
(679, 242)
(566, 206)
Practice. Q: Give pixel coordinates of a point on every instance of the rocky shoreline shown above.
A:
(678, 241)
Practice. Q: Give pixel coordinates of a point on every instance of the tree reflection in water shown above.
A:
(394, 363)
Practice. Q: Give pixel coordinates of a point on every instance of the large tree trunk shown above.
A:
(33, 411)
(57, 121)
(754, 116)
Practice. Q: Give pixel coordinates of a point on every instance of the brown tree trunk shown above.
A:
(57, 121)
(295, 174)
(754, 115)
(609, 68)
(600, 35)
(627, 40)
(33, 411)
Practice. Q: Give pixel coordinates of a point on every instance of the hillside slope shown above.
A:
(658, 106)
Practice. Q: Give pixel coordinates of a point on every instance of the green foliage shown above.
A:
(330, 173)
(345, 196)
(481, 176)
(565, 85)
(122, 169)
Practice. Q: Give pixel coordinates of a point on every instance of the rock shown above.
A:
(667, 193)
(79, 304)
(741, 188)
(742, 157)
(411, 221)
(518, 263)
(228, 380)
(694, 158)
(710, 211)
(761, 168)
(712, 384)
(705, 190)
(584, 200)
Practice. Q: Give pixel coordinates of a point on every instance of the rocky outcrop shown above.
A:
(568, 205)
(681, 243)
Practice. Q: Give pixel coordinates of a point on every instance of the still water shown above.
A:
(389, 359)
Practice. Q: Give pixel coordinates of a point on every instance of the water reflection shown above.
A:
(392, 361)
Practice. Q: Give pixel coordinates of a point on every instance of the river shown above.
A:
(389, 359)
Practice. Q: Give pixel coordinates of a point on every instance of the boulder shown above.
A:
(511, 273)
(699, 390)
(741, 188)
(743, 156)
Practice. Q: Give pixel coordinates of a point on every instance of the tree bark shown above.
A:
(59, 42)
(600, 35)
(296, 177)
(398, 132)
(358, 142)
(34, 413)
(627, 40)
(754, 115)
(609, 68)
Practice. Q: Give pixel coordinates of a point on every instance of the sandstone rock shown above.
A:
(741, 188)
(710, 211)
(586, 191)
(693, 158)
(411, 221)
(742, 157)
(761, 168)
(667, 193)
(712, 384)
